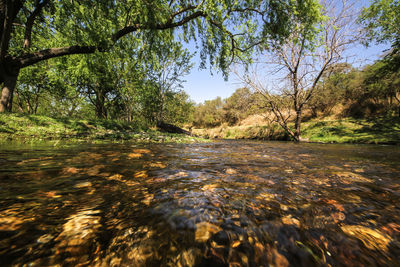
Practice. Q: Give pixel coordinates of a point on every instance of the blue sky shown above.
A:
(202, 85)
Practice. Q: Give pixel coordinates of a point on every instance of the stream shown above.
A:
(224, 203)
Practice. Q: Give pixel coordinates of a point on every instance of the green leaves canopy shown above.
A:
(225, 28)
(382, 21)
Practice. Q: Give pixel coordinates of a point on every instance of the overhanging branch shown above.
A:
(30, 59)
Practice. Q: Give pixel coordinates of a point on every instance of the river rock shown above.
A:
(79, 233)
(230, 171)
(83, 184)
(372, 239)
(45, 238)
(188, 257)
(204, 230)
(134, 155)
(291, 221)
(141, 151)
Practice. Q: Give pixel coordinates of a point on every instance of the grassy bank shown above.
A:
(375, 131)
(19, 127)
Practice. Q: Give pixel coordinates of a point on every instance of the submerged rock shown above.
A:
(83, 184)
(78, 238)
(291, 221)
(204, 230)
(372, 239)
(45, 238)
(230, 171)
(135, 155)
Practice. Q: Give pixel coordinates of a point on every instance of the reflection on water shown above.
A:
(228, 203)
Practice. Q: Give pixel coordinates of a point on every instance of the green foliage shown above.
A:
(121, 84)
(212, 23)
(373, 131)
(137, 77)
(179, 109)
(209, 114)
(33, 85)
(165, 73)
(332, 90)
(143, 31)
(370, 92)
(382, 21)
(382, 83)
(240, 105)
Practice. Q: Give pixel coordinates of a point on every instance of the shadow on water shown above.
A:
(227, 203)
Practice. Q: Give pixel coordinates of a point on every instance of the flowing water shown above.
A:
(226, 203)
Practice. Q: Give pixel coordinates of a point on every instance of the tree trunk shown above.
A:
(398, 102)
(101, 110)
(7, 92)
(19, 103)
(297, 125)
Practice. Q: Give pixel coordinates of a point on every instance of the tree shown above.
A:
(33, 84)
(301, 62)
(382, 82)
(32, 31)
(331, 90)
(239, 105)
(381, 21)
(166, 71)
(209, 114)
(179, 109)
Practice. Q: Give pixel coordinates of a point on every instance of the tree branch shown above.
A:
(164, 26)
(30, 59)
(31, 20)
(9, 11)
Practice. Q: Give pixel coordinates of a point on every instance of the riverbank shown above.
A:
(27, 128)
(348, 130)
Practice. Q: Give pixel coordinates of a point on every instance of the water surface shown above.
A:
(227, 203)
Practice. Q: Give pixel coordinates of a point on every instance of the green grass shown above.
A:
(19, 127)
(349, 130)
(264, 132)
(377, 130)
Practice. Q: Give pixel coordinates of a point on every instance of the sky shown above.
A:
(201, 85)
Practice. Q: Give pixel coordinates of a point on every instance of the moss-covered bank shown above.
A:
(19, 127)
(349, 130)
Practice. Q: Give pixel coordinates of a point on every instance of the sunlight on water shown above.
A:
(227, 203)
